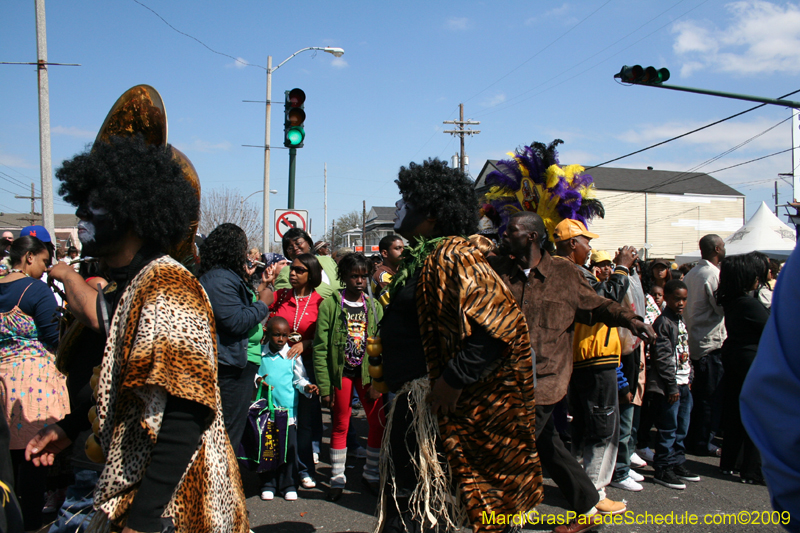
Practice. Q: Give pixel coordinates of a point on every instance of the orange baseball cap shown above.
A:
(568, 229)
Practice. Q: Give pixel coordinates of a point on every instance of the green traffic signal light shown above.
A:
(294, 118)
(294, 137)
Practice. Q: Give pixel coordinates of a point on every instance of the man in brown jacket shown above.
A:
(553, 295)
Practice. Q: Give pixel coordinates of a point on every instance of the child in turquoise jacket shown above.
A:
(287, 378)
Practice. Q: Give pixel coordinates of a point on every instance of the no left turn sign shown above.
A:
(286, 219)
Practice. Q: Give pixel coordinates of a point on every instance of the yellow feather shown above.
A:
(553, 175)
(522, 169)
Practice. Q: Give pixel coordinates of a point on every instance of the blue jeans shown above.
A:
(672, 423)
(78, 509)
(309, 424)
(627, 442)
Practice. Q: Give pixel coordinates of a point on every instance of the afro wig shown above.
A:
(225, 247)
(141, 185)
(443, 193)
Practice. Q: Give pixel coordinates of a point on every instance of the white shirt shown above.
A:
(705, 319)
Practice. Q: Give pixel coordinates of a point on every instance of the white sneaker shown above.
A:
(637, 462)
(308, 483)
(627, 484)
(267, 495)
(316, 458)
(636, 476)
(647, 454)
(290, 496)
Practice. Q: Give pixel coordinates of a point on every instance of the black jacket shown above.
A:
(234, 313)
(662, 370)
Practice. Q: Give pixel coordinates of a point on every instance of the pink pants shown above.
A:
(342, 408)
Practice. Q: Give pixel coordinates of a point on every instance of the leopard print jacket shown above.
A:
(162, 343)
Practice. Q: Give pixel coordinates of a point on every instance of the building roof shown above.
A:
(380, 214)
(641, 180)
(12, 221)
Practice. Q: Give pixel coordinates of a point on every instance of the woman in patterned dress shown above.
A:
(33, 391)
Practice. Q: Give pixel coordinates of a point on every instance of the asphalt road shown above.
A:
(715, 494)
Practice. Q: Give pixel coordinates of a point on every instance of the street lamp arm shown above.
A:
(338, 52)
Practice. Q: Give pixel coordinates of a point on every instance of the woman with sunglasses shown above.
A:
(296, 242)
(299, 305)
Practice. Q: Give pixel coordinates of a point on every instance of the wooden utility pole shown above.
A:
(364, 226)
(33, 217)
(461, 132)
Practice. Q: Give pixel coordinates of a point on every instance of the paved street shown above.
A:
(715, 493)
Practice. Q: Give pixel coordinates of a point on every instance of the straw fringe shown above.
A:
(432, 503)
(99, 523)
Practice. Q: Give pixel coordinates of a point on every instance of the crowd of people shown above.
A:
(496, 358)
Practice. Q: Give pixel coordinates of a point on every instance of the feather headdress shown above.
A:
(533, 181)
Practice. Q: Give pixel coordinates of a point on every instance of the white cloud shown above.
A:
(72, 131)
(198, 145)
(338, 62)
(240, 62)
(495, 100)
(761, 37)
(721, 137)
(458, 23)
(14, 161)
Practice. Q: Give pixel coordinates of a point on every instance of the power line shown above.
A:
(687, 133)
(198, 40)
(754, 160)
(684, 176)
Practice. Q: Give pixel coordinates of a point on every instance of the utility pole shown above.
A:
(325, 205)
(45, 164)
(776, 197)
(364, 226)
(44, 122)
(461, 132)
(34, 215)
(333, 236)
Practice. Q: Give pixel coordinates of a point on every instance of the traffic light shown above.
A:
(294, 117)
(642, 76)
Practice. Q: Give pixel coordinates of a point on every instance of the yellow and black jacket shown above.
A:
(597, 346)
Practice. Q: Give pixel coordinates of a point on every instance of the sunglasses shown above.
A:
(298, 270)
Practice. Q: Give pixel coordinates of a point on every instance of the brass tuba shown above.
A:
(140, 110)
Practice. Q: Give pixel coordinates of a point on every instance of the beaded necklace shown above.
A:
(364, 302)
(18, 271)
(295, 336)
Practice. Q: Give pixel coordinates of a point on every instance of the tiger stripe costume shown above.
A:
(490, 441)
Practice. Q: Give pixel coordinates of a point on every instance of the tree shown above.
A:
(228, 205)
(345, 222)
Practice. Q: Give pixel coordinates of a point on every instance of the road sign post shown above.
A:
(286, 219)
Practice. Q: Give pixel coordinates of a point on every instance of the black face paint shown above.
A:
(96, 230)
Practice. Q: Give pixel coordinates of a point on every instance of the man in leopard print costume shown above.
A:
(169, 464)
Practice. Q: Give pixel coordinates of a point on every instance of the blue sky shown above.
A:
(525, 73)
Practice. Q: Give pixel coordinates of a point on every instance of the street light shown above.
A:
(336, 52)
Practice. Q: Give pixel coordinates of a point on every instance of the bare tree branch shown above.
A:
(345, 222)
(227, 205)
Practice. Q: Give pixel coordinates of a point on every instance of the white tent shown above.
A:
(764, 232)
